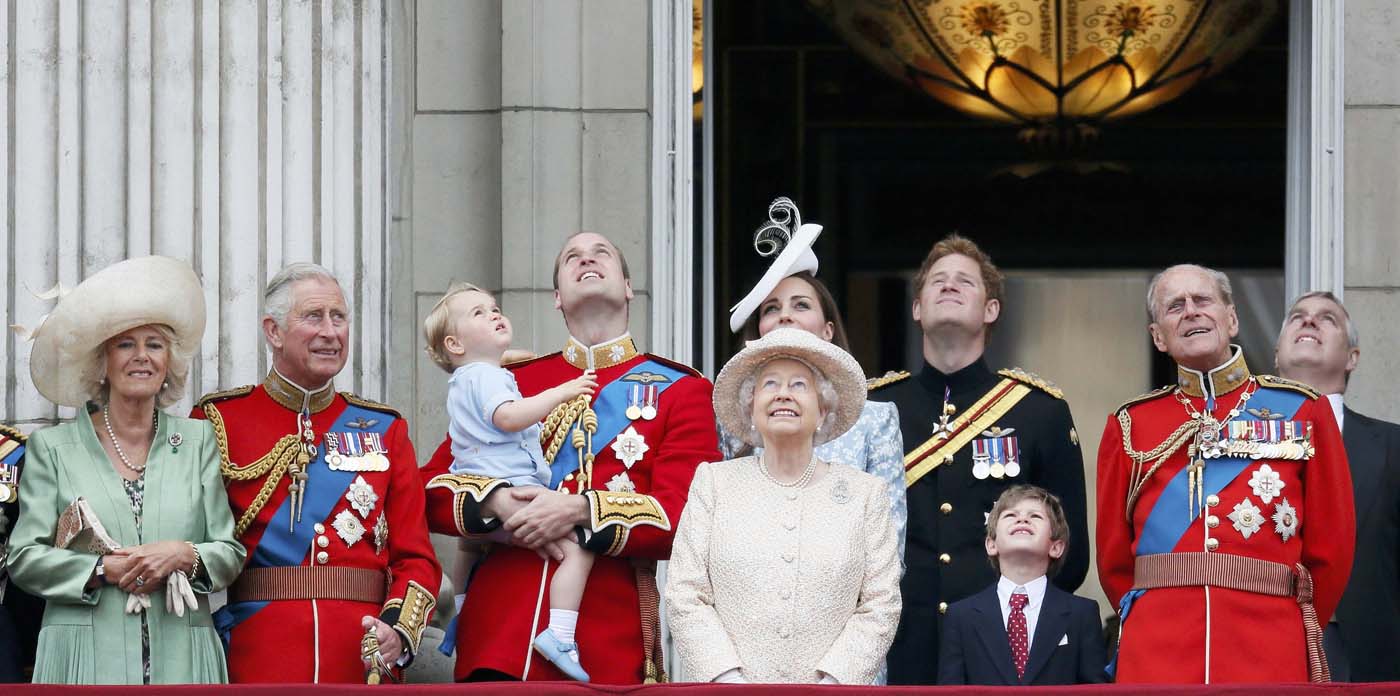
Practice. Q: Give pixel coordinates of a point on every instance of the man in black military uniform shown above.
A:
(969, 433)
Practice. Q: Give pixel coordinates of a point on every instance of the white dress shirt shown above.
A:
(1035, 593)
(1336, 401)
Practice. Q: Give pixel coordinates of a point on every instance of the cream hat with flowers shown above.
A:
(120, 297)
(836, 365)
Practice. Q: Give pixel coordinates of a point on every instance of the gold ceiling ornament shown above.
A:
(697, 59)
(1056, 67)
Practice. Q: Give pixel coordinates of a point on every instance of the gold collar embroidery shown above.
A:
(1222, 380)
(294, 397)
(604, 355)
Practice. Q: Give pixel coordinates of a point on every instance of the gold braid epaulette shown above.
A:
(227, 394)
(886, 379)
(1292, 385)
(273, 465)
(1034, 380)
(13, 433)
(370, 404)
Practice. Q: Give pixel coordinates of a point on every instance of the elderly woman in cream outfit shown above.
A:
(784, 567)
(121, 344)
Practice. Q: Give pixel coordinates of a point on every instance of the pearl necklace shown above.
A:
(112, 435)
(801, 481)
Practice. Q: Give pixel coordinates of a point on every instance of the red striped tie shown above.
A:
(1016, 632)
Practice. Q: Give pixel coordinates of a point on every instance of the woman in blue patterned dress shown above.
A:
(790, 295)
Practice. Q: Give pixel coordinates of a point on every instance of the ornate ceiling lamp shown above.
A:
(1058, 68)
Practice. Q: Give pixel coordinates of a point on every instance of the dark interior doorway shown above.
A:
(888, 171)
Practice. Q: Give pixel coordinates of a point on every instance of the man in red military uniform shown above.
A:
(1225, 523)
(630, 453)
(325, 492)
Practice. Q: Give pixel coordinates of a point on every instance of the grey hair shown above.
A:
(826, 400)
(1353, 334)
(1222, 285)
(177, 369)
(277, 298)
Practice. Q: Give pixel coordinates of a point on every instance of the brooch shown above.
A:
(840, 492)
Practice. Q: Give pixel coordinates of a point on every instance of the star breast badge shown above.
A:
(630, 446)
(1266, 483)
(1247, 518)
(362, 497)
(1285, 520)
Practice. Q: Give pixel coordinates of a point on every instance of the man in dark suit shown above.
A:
(1320, 345)
(1022, 630)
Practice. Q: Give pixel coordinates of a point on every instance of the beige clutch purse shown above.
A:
(80, 530)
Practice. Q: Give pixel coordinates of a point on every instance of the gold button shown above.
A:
(322, 557)
(1212, 500)
(946, 508)
(322, 542)
(1212, 521)
(943, 607)
(320, 528)
(1212, 544)
(945, 558)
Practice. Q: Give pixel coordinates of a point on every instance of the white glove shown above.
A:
(178, 594)
(137, 603)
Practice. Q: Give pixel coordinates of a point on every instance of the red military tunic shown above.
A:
(1291, 510)
(507, 603)
(376, 524)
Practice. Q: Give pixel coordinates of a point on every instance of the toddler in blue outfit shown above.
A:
(495, 432)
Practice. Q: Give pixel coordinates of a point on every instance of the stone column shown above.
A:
(1372, 213)
(528, 120)
(237, 134)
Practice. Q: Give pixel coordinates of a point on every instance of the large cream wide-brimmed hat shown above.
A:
(836, 365)
(120, 297)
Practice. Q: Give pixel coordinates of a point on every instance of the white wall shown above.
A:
(239, 135)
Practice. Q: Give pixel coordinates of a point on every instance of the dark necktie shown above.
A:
(1016, 632)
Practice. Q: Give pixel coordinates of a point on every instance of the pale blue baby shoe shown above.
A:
(563, 655)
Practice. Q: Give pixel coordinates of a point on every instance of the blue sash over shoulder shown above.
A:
(284, 543)
(611, 407)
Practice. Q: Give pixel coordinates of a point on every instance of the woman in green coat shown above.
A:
(121, 344)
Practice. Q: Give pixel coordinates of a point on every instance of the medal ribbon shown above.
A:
(611, 407)
(985, 412)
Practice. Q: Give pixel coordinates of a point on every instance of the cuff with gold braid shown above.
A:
(468, 493)
(409, 616)
(612, 515)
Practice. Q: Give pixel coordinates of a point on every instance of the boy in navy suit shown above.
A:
(1022, 630)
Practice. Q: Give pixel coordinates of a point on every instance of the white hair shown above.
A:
(1222, 285)
(826, 399)
(277, 298)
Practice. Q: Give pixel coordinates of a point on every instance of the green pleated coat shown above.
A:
(87, 638)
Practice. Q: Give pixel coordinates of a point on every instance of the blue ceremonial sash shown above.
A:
(14, 456)
(282, 544)
(611, 407)
(1167, 522)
